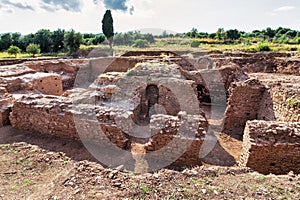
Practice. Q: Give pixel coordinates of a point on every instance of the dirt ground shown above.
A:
(43, 167)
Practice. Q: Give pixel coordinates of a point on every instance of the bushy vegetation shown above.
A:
(132, 38)
(140, 43)
(13, 50)
(195, 43)
(264, 46)
(33, 49)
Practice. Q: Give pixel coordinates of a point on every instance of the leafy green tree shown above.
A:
(193, 33)
(14, 50)
(58, 40)
(233, 34)
(220, 34)
(212, 35)
(108, 27)
(26, 40)
(72, 41)
(15, 37)
(149, 37)
(5, 41)
(98, 39)
(33, 49)
(291, 33)
(270, 33)
(43, 38)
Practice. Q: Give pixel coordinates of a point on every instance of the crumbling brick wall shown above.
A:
(271, 147)
(54, 116)
(6, 102)
(68, 69)
(243, 105)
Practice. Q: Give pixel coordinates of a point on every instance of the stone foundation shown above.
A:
(272, 147)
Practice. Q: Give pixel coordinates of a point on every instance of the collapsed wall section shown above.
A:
(271, 147)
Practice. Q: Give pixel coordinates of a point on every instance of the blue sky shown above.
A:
(28, 16)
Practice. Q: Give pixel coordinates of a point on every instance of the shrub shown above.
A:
(33, 49)
(140, 43)
(14, 50)
(195, 43)
(294, 49)
(264, 46)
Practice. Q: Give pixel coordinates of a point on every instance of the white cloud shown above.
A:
(284, 9)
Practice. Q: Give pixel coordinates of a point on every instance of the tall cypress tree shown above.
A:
(108, 27)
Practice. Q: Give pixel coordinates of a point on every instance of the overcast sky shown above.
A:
(27, 16)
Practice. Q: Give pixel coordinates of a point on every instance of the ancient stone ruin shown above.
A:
(158, 109)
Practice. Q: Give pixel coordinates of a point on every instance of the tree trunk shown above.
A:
(110, 40)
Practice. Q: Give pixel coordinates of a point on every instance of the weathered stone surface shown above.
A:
(281, 99)
(55, 116)
(263, 62)
(271, 147)
(243, 105)
(6, 102)
(67, 69)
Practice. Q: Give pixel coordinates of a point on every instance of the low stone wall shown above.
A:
(271, 147)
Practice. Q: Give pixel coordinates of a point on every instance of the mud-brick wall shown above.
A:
(243, 105)
(271, 147)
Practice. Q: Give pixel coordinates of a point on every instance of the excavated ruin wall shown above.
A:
(271, 147)
(178, 138)
(6, 103)
(67, 69)
(46, 83)
(282, 63)
(55, 116)
(243, 105)
(280, 103)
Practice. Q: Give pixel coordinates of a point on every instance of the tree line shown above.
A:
(50, 41)
(279, 35)
(46, 41)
